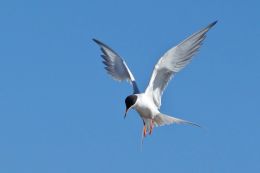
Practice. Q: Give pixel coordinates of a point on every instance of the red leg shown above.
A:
(144, 131)
(151, 127)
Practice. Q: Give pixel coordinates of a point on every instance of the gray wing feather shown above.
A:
(172, 62)
(116, 66)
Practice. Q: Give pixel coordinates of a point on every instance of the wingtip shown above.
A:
(101, 44)
(213, 23)
(95, 40)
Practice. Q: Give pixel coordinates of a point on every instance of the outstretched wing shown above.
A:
(116, 66)
(172, 62)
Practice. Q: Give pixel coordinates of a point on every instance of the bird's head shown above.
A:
(130, 102)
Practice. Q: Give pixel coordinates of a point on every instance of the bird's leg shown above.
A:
(143, 135)
(144, 131)
(151, 127)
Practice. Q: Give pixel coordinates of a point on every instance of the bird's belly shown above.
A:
(145, 110)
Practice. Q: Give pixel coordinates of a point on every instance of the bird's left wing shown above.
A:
(172, 62)
(116, 66)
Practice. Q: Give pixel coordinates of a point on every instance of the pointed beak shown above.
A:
(125, 112)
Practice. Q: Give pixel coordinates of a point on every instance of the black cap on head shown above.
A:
(129, 102)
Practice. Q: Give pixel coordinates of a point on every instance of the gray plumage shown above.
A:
(116, 66)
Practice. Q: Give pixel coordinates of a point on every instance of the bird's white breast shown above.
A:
(145, 106)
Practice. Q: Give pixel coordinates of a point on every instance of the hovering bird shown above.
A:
(148, 103)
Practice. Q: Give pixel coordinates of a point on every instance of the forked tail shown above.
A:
(162, 119)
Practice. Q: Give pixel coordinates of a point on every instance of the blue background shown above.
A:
(60, 112)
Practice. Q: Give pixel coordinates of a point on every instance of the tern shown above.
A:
(148, 103)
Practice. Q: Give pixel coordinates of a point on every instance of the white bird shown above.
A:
(148, 103)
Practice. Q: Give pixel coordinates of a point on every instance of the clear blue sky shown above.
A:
(61, 113)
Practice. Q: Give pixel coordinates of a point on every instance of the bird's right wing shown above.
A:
(172, 62)
(116, 66)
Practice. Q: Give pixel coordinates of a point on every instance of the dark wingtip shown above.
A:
(101, 45)
(96, 41)
(212, 24)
